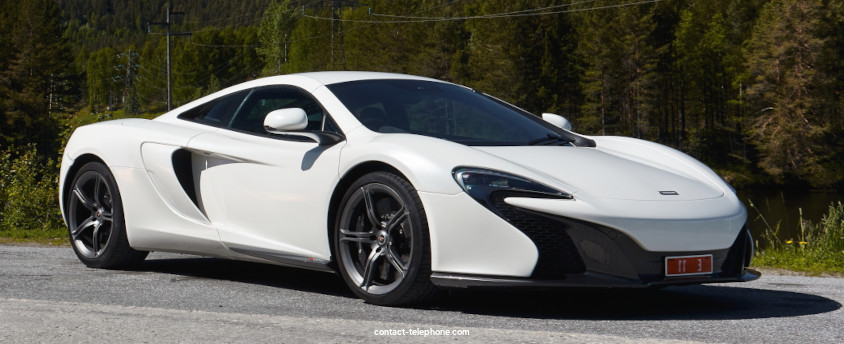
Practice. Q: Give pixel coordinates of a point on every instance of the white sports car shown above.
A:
(403, 185)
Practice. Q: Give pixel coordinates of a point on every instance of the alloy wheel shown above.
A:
(91, 218)
(376, 238)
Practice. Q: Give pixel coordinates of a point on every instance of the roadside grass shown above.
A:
(818, 249)
(54, 238)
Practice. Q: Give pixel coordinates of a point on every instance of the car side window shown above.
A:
(218, 112)
(262, 101)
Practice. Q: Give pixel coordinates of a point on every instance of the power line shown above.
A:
(486, 15)
(355, 28)
(85, 63)
(216, 19)
(531, 13)
(214, 28)
(149, 71)
(225, 45)
(303, 39)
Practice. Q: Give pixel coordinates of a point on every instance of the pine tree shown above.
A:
(781, 57)
(104, 78)
(387, 46)
(152, 77)
(619, 75)
(275, 35)
(28, 85)
(496, 51)
(310, 47)
(442, 43)
(706, 68)
(6, 55)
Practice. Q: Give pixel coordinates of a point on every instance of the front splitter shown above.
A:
(588, 279)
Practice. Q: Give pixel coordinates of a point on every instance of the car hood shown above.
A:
(590, 171)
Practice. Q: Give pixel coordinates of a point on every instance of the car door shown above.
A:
(268, 194)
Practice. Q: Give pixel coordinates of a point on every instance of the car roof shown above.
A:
(313, 80)
(336, 77)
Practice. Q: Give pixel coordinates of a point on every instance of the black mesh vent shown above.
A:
(557, 254)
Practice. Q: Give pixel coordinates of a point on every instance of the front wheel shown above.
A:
(95, 220)
(381, 241)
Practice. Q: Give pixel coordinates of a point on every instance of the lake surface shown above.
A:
(784, 207)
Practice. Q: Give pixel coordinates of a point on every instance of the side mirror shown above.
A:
(283, 120)
(557, 120)
(293, 122)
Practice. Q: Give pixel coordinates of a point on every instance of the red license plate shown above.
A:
(688, 265)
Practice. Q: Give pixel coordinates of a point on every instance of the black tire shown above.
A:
(382, 243)
(96, 227)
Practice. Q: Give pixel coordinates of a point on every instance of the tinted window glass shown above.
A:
(262, 101)
(218, 112)
(440, 110)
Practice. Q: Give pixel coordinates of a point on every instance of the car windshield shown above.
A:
(442, 110)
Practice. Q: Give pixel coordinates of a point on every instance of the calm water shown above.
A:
(783, 207)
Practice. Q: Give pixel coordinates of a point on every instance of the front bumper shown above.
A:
(578, 253)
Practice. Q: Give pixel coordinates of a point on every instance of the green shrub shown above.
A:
(29, 205)
(828, 235)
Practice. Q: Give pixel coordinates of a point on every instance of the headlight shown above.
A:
(481, 183)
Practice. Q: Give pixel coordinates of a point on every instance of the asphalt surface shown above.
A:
(48, 296)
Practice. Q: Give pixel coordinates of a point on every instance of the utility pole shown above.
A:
(169, 33)
(129, 99)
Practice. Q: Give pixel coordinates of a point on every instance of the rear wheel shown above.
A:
(95, 220)
(381, 241)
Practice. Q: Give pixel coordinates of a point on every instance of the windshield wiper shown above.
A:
(550, 139)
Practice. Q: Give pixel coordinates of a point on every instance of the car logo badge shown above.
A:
(669, 193)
